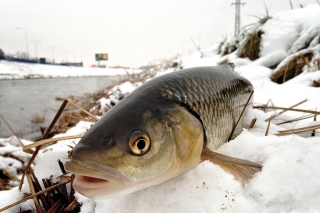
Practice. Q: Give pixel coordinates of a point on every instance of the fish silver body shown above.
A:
(215, 95)
(163, 128)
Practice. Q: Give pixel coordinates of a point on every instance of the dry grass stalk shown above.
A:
(268, 127)
(11, 129)
(33, 191)
(82, 109)
(264, 105)
(283, 111)
(10, 155)
(296, 119)
(244, 109)
(288, 109)
(252, 123)
(298, 130)
(314, 131)
(9, 175)
(50, 141)
(38, 188)
(292, 68)
(71, 206)
(62, 167)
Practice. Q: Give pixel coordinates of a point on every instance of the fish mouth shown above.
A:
(95, 181)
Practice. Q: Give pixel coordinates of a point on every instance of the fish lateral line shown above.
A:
(242, 170)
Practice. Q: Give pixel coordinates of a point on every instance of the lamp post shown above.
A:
(35, 44)
(25, 31)
(74, 57)
(52, 48)
(65, 55)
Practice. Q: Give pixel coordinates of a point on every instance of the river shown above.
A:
(22, 101)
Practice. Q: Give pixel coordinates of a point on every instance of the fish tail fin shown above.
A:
(241, 169)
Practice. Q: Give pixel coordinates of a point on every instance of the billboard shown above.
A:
(101, 57)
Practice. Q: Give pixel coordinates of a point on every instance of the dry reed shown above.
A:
(251, 48)
(292, 68)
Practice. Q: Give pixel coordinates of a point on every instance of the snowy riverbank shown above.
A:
(15, 70)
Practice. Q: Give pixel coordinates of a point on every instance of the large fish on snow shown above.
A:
(165, 127)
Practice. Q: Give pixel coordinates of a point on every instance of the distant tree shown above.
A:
(22, 55)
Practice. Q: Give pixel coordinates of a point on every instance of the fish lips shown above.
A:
(95, 181)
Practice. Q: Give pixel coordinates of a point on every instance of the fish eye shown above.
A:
(139, 143)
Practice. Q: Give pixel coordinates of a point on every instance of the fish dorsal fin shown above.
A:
(241, 169)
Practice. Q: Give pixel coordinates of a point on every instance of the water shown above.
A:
(21, 101)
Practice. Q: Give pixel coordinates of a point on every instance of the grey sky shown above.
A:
(133, 33)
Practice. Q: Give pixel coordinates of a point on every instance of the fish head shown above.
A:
(135, 146)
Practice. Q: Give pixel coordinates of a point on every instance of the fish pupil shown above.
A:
(141, 144)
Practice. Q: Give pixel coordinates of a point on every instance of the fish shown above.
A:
(165, 127)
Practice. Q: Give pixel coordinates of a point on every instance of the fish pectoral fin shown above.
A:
(241, 169)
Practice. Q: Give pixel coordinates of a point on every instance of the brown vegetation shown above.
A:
(292, 68)
(37, 119)
(316, 83)
(54, 197)
(251, 47)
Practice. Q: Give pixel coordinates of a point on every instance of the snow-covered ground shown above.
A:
(14, 70)
(290, 178)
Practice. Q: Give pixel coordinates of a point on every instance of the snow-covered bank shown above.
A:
(14, 70)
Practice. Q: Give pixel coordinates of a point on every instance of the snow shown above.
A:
(290, 178)
(290, 30)
(14, 70)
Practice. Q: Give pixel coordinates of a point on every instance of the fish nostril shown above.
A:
(80, 151)
(108, 141)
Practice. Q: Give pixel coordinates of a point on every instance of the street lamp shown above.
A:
(52, 53)
(25, 31)
(35, 44)
(74, 57)
(65, 55)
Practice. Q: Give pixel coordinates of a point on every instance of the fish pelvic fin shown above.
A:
(241, 169)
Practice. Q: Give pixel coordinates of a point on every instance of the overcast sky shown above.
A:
(133, 33)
